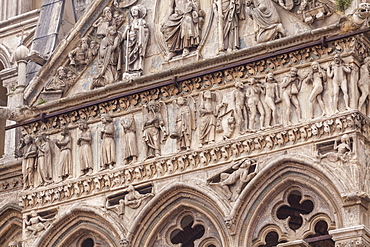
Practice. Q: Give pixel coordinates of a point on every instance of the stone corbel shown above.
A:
(356, 236)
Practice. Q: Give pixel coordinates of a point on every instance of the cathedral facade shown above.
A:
(140, 123)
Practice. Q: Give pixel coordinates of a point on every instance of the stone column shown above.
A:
(355, 236)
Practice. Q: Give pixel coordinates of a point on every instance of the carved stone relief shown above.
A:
(35, 224)
(84, 141)
(108, 145)
(65, 158)
(129, 139)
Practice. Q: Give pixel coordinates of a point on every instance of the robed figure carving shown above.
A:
(181, 28)
(108, 145)
(44, 159)
(109, 58)
(84, 141)
(155, 127)
(28, 149)
(137, 36)
(65, 158)
(130, 152)
(267, 20)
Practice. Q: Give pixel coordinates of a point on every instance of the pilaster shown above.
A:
(355, 236)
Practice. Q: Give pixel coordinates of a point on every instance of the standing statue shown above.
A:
(103, 22)
(209, 107)
(130, 152)
(29, 161)
(267, 20)
(84, 141)
(254, 93)
(185, 124)
(291, 86)
(181, 29)
(79, 55)
(337, 71)
(108, 145)
(137, 36)
(154, 128)
(44, 159)
(363, 83)
(240, 107)
(317, 77)
(65, 158)
(272, 96)
(229, 14)
(110, 58)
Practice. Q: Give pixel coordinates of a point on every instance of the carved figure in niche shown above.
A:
(84, 141)
(267, 20)
(182, 27)
(316, 76)
(110, 58)
(272, 97)
(364, 81)
(45, 156)
(103, 22)
(291, 86)
(240, 107)
(58, 82)
(154, 128)
(208, 110)
(93, 50)
(79, 55)
(137, 36)
(108, 145)
(229, 14)
(65, 158)
(35, 223)
(130, 153)
(358, 19)
(230, 127)
(240, 176)
(253, 93)
(341, 152)
(185, 123)
(337, 71)
(133, 198)
(29, 161)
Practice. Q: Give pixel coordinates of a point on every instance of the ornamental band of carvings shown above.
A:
(226, 151)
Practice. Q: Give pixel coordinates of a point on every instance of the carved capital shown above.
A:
(355, 236)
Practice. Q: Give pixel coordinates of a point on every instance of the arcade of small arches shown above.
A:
(285, 208)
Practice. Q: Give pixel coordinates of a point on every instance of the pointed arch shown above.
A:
(5, 56)
(10, 224)
(175, 198)
(79, 222)
(274, 180)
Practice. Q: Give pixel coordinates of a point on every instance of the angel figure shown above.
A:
(341, 151)
(185, 124)
(209, 108)
(155, 127)
(240, 176)
(133, 198)
(35, 223)
(137, 36)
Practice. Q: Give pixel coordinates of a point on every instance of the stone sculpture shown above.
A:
(103, 22)
(240, 176)
(137, 36)
(133, 198)
(266, 18)
(209, 107)
(65, 158)
(316, 76)
(108, 145)
(13, 244)
(35, 223)
(363, 82)
(185, 124)
(337, 71)
(240, 107)
(44, 159)
(182, 28)
(341, 151)
(154, 128)
(29, 151)
(229, 14)
(58, 82)
(79, 55)
(253, 93)
(93, 50)
(84, 141)
(291, 85)
(109, 58)
(272, 97)
(358, 19)
(130, 152)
